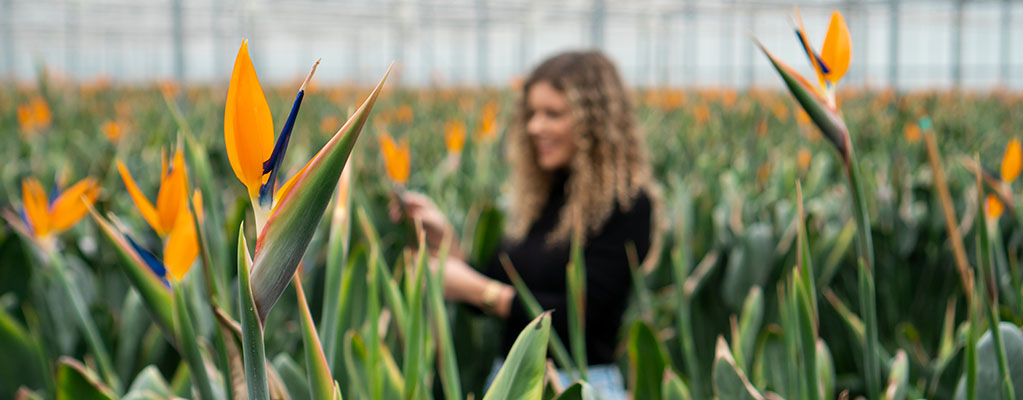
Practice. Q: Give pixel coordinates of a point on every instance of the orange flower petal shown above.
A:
(837, 48)
(248, 125)
(173, 192)
(68, 208)
(34, 198)
(145, 207)
(182, 247)
(1012, 161)
(993, 207)
(396, 158)
(454, 137)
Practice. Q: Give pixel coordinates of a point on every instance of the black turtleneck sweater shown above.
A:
(608, 281)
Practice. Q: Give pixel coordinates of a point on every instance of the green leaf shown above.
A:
(253, 352)
(748, 328)
(294, 378)
(522, 375)
(898, 378)
(987, 285)
(16, 343)
(77, 382)
(533, 308)
(189, 342)
(286, 235)
(989, 382)
(321, 384)
(148, 384)
(449, 377)
(337, 257)
(415, 341)
(729, 382)
(647, 361)
(579, 390)
(154, 294)
(673, 388)
(575, 280)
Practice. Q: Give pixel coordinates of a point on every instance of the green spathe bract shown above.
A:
(290, 227)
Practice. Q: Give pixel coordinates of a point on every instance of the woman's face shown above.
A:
(550, 126)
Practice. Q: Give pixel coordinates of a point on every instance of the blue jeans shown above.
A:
(605, 379)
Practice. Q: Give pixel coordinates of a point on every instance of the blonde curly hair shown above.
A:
(610, 165)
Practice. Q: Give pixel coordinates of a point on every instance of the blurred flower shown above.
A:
(396, 158)
(404, 114)
(1012, 161)
(34, 115)
(993, 207)
(169, 88)
(329, 124)
(761, 129)
(912, 132)
(488, 122)
(45, 216)
(454, 136)
(113, 130)
(830, 65)
(803, 158)
(701, 113)
(170, 218)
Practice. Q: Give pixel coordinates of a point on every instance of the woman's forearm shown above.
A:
(465, 284)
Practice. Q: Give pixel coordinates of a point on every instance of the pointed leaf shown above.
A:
(729, 382)
(522, 375)
(155, 295)
(647, 360)
(321, 384)
(189, 343)
(77, 382)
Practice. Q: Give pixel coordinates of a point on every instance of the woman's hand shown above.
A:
(435, 225)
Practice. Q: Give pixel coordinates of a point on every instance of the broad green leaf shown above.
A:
(533, 307)
(522, 375)
(294, 378)
(77, 382)
(16, 343)
(673, 388)
(729, 382)
(989, 382)
(647, 361)
(578, 391)
(148, 384)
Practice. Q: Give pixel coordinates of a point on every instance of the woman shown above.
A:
(579, 169)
